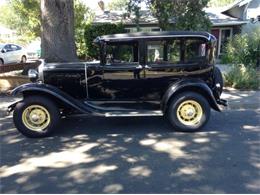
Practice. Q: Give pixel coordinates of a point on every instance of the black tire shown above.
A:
(218, 78)
(184, 97)
(1, 62)
(44, 102)
(23, 59)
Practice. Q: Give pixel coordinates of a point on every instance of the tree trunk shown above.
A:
(58, 44)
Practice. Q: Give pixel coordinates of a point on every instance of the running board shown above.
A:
(134, 113)
(137, 113)
(120, 112)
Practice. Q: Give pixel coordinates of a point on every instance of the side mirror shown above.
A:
(3, 50)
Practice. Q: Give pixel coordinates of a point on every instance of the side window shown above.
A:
(195, 50)
(18, 47)
(8, 48)
(174, 51)
(164, 52)
(122, 53)
(155, 51)
(14, 47)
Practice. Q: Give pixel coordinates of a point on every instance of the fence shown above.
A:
(23, 66)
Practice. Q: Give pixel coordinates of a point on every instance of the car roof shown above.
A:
(160, 34)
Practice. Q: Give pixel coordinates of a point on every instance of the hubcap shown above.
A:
(189, 112)
(36, 118)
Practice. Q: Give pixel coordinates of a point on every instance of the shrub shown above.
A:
(242, 77)
(92, 31)
(243, 49)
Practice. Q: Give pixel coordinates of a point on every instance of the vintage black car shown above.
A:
(169, 74)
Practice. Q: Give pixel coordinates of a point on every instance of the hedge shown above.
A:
(94, 30)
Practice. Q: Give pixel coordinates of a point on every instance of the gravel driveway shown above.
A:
(137, 155)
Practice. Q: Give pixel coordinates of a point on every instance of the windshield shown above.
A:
(1, 45)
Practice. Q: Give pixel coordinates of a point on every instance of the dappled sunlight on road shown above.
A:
(134, 155)
(171, 146)
(141, 171)
(52, 160)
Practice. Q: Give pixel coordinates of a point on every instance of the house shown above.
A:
(225, 22)
(248, 10)
(7, 35)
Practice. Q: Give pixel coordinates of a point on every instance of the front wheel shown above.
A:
(188, 112)
(36, 116)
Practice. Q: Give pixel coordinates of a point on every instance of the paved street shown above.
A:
(137, 155)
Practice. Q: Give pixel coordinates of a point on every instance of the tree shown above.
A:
(134, 6)
(186, 14)
(25, 17)
(58, 43)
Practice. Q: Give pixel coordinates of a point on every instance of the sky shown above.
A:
(93, 4)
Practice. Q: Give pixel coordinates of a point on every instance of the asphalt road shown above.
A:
(137, 155)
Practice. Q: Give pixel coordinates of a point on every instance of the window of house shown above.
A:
(195, 50)
(163, 51)
(225, 35)
(122, 53)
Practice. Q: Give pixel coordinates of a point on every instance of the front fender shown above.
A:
(51, 91)
(194, 85)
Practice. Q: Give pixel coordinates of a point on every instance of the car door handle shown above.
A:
(147, 67)
(139, 67)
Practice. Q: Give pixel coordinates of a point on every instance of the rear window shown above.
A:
(164, 51)
(195, 50)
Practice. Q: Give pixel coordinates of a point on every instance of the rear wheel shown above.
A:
(218, 80)
(1, 61)
(36, 116)
(188, 112)
(23, 59)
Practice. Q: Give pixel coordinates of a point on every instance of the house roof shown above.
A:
(121, 16)
(219, 19)
(215, 15)
(161, 34)
(237, 3)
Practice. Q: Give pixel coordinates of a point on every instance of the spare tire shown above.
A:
(218, 80)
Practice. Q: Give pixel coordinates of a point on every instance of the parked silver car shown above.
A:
(12, 53)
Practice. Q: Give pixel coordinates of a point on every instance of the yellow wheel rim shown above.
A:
(36, 118)
(189, 112)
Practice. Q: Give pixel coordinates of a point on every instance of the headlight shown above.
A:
(32, 74)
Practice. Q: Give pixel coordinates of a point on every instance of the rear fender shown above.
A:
(194, 85)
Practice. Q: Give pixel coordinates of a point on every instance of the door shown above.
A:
(8, 55)
(169, 60)
(122, 74)
(162, 60)
(16, 54)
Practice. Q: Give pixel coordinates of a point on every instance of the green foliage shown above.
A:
(134, 6)
(93, 31)
(219, 3)
(187, 15)
(22, 16)
(242, 77)
(243, 49)
(83, 16)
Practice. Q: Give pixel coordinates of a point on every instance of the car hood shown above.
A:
(69, 65)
